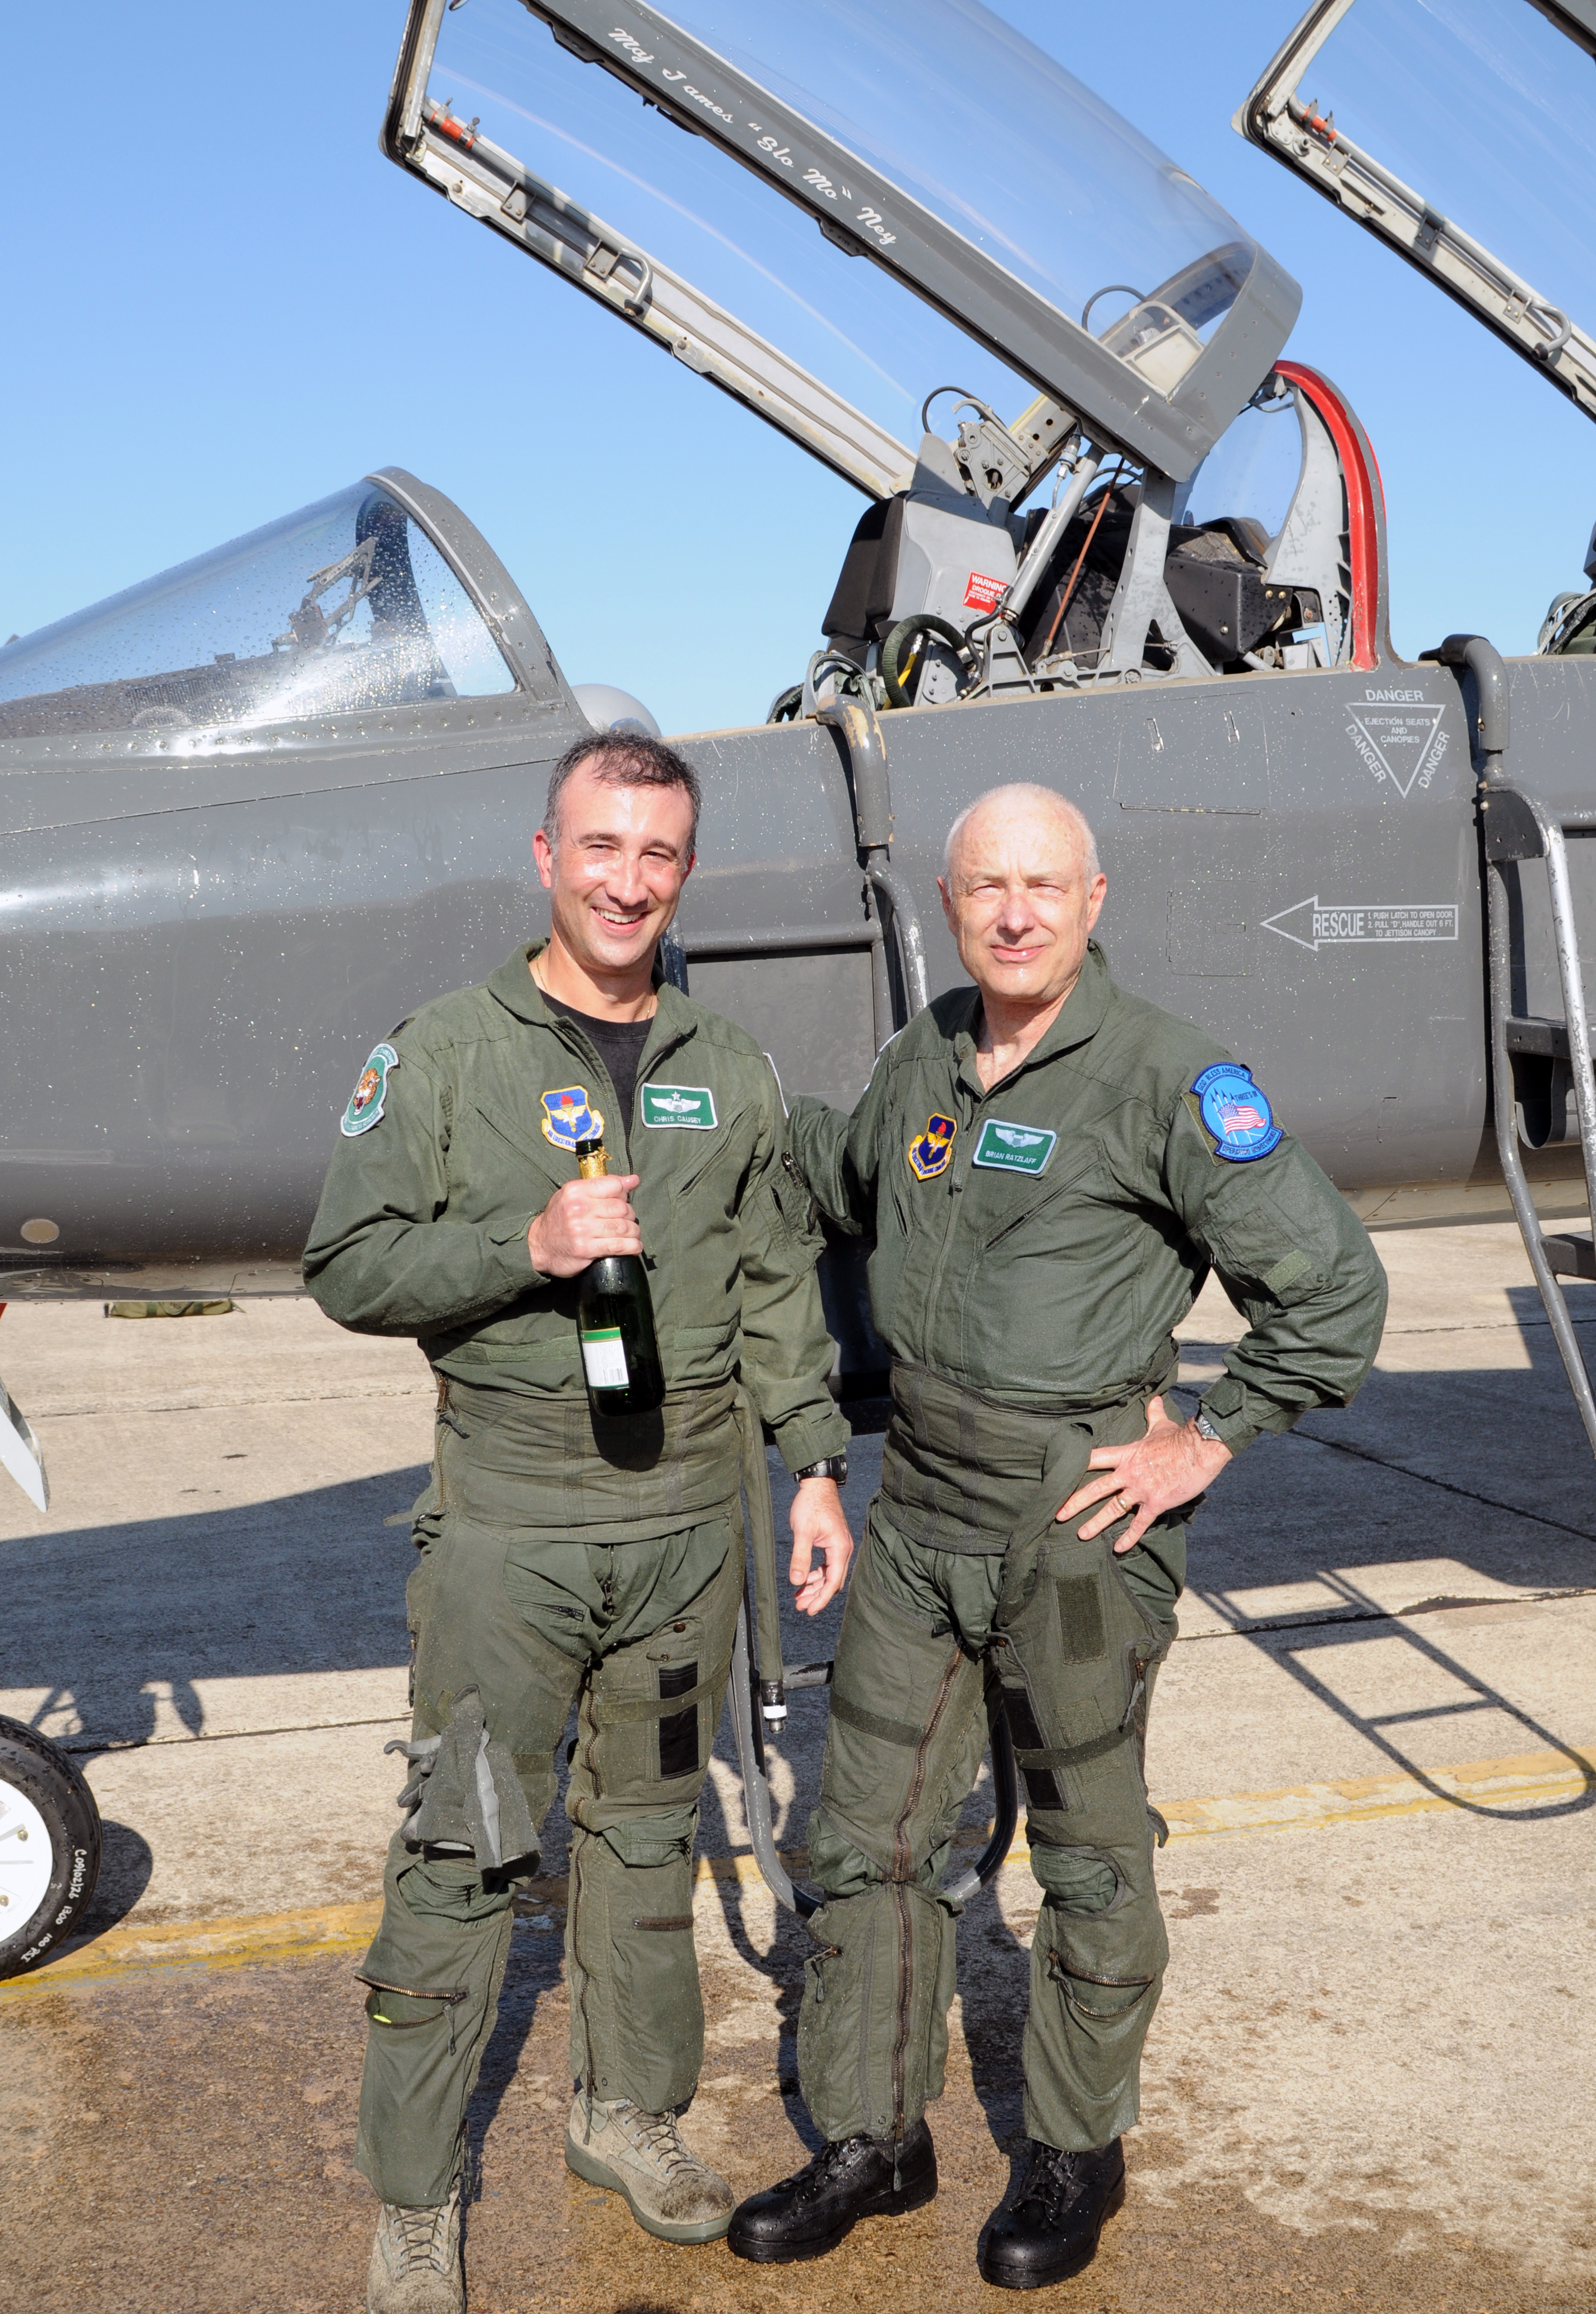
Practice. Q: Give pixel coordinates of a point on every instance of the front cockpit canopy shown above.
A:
(1019, 234)
(345, 608)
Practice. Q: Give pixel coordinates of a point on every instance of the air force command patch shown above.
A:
(1236, 1112)
(567, 1118)
(931, 1152)
(365, 1102)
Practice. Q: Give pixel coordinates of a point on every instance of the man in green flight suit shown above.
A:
(1049, 1168)
(565, 1557)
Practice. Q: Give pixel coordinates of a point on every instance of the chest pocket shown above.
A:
(1045, 1213)
(695, 1157)
(703, 1186)
(486, 1145)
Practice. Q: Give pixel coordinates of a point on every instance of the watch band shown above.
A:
(830, 1466)
(1205, 1428)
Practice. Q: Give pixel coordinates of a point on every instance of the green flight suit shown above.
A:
(1035, 1246)
(563, 1559)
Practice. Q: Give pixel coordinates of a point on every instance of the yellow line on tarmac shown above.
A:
(1524, 1782)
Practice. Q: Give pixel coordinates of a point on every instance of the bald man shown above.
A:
(1049, 1169)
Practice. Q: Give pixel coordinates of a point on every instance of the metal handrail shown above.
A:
(852, 716)
(1516, 828)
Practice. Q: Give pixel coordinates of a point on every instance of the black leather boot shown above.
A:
(848, 2179)
(1052, 2230)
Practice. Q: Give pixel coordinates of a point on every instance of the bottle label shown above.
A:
(604, 1359)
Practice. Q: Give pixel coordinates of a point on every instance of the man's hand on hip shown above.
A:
(582, 1222)
(819, 1526)
(1152, 1475)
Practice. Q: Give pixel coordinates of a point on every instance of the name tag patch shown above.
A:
(1013, 1148)
(568, 1117)
(1237, 1112)
(690, 1108)
(365, 1102)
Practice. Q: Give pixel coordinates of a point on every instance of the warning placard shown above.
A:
(1307, 923)
(1400, 745)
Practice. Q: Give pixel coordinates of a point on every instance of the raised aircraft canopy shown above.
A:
(1431, 122)
(1003, 209)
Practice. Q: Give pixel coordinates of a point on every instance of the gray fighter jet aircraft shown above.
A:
(260, 808)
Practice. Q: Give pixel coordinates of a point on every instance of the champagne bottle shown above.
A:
(615, 1321)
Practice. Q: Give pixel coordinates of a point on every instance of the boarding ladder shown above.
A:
(1517, 829)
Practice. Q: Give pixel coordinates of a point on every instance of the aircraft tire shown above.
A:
(50, 1848)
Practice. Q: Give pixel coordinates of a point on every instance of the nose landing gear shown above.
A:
(50, 1848)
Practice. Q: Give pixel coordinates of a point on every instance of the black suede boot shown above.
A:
(1052, 2230)
(848, 2179)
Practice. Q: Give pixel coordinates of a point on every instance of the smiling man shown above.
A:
(1049, 1168)
(566, 1558)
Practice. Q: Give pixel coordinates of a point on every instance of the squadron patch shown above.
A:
(931, 1152)
(1014, 1148)
(569, 1118)
(365, 1102)
(1236, 1112)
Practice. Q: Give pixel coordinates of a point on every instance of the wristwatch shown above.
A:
(1205, 1428)
(830, 1466)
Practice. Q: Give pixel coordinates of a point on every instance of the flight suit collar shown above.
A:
(516, 990)
(1080, 1016)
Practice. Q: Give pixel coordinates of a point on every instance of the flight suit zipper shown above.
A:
(901, 1859)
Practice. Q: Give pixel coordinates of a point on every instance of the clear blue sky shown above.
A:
(224, 304)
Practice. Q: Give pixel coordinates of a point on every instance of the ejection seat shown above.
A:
(932, 572)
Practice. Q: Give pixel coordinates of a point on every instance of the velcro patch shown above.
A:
(931, 1152)
(1014, 1148)
(568, 1117)
(691, 1108)
(366, 1100)
(1236, 1113)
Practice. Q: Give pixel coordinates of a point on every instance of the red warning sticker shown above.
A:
(983, 594)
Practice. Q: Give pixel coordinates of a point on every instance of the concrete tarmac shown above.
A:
(1375, 1744)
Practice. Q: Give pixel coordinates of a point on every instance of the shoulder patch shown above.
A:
(366, 1100)
(1236, 1113)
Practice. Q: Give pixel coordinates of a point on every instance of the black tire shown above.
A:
(38, 1783)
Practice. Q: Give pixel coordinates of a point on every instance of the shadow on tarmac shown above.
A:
(1486, 1468)
(112, 1624)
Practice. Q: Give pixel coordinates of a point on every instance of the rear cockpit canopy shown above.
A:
(1463, 135)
